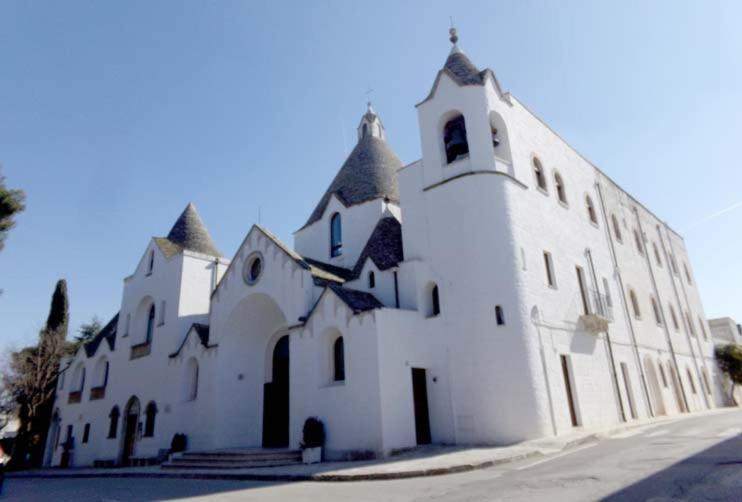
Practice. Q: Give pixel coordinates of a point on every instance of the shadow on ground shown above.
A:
(712, 474)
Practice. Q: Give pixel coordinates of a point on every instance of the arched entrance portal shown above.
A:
(131, 423)
(276, 398)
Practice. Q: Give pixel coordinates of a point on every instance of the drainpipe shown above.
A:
(614, 373)
(622, 293)
(687, 320)
(659, 300)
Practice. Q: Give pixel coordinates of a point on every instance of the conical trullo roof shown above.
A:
(189, 232)
(461, 69)
(369, 172)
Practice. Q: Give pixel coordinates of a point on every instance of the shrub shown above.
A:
(179, 443)
(313, 433)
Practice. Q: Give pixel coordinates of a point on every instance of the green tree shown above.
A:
(31, 378)
(86, 333)
(729, 359)
(11, 203)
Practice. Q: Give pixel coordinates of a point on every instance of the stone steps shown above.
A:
(233, 459)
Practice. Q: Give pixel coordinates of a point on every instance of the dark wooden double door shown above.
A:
(276, 399)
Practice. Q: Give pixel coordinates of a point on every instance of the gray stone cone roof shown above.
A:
(369, 172)
(462, 70)
(107, 333)
(384, 247)
(190, 233)
(358, 301)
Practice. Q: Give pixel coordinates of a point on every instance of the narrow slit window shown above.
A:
(499, 315)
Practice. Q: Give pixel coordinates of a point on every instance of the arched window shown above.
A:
(687, 274)
(78, 380)
(656, 310)
(435, 301)
(538, 173)
(100, 377)
(149, 421)
(150, 324)
(454, 139)
(674, 318)
(616, 228)
(191, 379)
(638, 241)
(365, 130)
(151, 264)
(336, 235)
(338, 360)
(591, 210)
(657, 257)
(113, 423)
(635, 304)
(371, 279)
(561, 193)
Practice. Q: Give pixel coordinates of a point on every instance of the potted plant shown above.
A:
(313, 441)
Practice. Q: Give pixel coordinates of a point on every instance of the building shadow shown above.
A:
(712, 474)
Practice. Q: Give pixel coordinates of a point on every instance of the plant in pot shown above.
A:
(313, 440)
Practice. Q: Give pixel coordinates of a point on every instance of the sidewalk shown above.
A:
(423, 461)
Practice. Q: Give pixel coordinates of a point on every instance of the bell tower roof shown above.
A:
(459, 66)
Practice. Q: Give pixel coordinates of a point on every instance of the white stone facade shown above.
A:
(243, 352)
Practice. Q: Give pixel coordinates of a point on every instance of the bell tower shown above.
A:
(371, 125)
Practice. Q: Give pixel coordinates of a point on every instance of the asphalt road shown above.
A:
(697, 458)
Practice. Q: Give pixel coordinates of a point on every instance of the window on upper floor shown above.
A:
(432, 300)
(691, 381)
(151, 262)
(616, 228)
(687, 274)
(591, 210)
(538, 174)
(638, 241)
(499, 315)
(691, 329)
(673, 264)
(607, 289)
(338, 359)
(161, 321)
(549, 264)
(559, 184)
(674, 318)
(635, 304)
(78, 379)
(703, 328)
(336, 235)
(656, 310)
(657, 256)
(150, 325)
(454, 139)
(371, 279)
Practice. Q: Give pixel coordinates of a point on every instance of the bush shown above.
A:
(179, 443)
(314, 433)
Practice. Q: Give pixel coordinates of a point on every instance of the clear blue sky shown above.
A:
(113, 115)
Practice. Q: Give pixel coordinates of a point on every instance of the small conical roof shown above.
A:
(369, 172)
(190, 233)
(461, 69)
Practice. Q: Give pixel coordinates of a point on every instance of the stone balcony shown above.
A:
(97, 393)
(140, 350)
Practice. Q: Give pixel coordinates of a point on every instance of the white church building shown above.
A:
(501, 288)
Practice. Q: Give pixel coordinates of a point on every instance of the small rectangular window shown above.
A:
(86, 433)
(550, 278)
(499, 315)
(162, 313)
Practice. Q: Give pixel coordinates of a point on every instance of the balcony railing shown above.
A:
(97, 393)
(140, 350)
(74, 397)
(599, 312)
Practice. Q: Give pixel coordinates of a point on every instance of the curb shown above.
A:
(374, 476)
